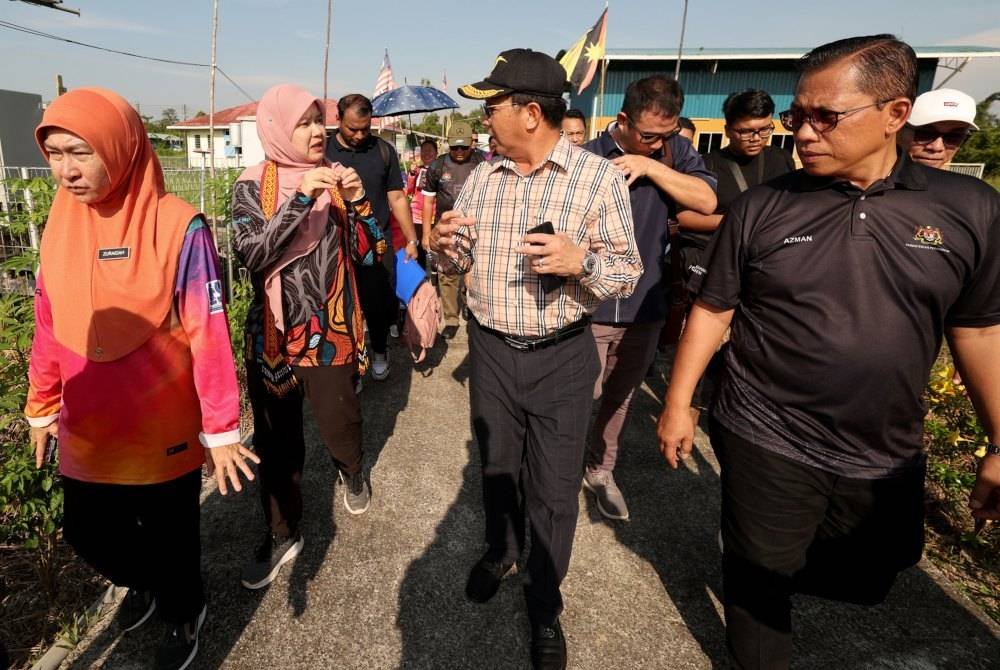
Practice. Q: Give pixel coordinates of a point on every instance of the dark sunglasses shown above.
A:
(459, 147)
(821, 120)
(651, 138)
(951, 139)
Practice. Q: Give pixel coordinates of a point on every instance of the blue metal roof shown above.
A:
(707, 86)
(782, 53)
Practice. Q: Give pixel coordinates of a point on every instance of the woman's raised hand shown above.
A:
(350, 183)
(318, 180)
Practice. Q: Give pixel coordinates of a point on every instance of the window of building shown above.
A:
(709, 141)
(197, 142)
(783, 141)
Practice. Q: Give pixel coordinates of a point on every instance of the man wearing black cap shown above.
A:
(533, 362)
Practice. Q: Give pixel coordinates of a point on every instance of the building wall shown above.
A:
(704, 89)
(21, 113)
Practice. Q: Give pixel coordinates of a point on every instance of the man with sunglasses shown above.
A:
(938, 126)
(444, 181)
(665, 173)
(839, 281)
(532, 360)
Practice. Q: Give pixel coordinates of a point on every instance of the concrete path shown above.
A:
(385, 589)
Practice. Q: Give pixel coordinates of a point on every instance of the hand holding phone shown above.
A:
(549, 282)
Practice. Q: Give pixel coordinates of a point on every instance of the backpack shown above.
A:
(422, 315)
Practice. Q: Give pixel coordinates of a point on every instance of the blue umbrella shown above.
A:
(411, 100)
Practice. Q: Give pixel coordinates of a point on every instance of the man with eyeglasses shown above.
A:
(665, 173)
(938, 126)
(444, 181)
(839, 281)
(532, 360)
(746, 161)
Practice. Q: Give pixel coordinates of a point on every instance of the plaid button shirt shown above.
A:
(585, 197)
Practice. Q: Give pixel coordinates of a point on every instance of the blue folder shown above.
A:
(408, 277)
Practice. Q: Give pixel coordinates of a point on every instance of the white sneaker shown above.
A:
(394, 331)
(380, 367)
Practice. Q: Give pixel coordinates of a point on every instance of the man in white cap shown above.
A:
(939, 124)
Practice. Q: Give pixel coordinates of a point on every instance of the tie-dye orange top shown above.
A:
(142, 418)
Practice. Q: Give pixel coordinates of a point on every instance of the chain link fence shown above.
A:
(25, 195)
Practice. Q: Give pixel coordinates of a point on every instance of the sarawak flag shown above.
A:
(582, 59)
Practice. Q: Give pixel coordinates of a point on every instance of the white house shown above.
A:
(236, 141)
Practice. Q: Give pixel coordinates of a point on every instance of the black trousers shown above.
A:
(279, 442)
(376, 288)
(529, 415)
(143, 537)
(791, 528)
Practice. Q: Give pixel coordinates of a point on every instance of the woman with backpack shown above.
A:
(298, 221)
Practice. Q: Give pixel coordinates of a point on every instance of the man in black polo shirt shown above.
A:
(664, 172)
(842, 279)
(376, 162)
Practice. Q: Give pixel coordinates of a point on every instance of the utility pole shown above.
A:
(680, 45)
(184, 112)
(60, 89)
(326, 52)
(211, 119)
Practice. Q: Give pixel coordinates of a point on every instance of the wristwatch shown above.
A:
(415, 243)
(590, 262)
(992, 449)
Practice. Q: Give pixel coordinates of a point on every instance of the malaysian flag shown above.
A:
(385, 81)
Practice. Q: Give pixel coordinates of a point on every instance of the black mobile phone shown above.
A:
(51, 449)
(549, 282)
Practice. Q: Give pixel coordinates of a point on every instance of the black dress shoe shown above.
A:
(548, 647)
(484, 579)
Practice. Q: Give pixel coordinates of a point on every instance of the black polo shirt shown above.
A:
(770, 163)
(378, 168)
(841, 299)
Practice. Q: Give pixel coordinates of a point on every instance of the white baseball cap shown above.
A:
(943, 104)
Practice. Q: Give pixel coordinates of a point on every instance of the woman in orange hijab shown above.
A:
(131, 366)
(298, 221)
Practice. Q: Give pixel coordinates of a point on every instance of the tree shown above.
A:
(169, 117)
(984, 146)
(431, 124)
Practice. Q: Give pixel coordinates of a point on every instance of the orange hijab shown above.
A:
(106, 304)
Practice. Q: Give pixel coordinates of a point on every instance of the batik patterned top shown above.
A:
(322, 312)
(139, 419)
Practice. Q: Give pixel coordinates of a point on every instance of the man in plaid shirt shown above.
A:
(533, 360)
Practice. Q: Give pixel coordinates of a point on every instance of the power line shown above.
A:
(39, 33)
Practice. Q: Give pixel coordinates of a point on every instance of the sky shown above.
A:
(266, 42)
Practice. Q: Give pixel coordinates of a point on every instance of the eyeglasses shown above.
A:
(951, 139)
(746, 133)
(488, 109)
(459, 147)
(651, 138)
(821, 120)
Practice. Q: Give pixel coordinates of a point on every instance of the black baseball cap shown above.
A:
(520, 71)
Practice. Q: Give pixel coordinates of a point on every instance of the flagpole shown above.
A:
(326, 52)
(680, 45)
(604, 67)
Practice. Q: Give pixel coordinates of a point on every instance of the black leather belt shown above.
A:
(543, 341)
